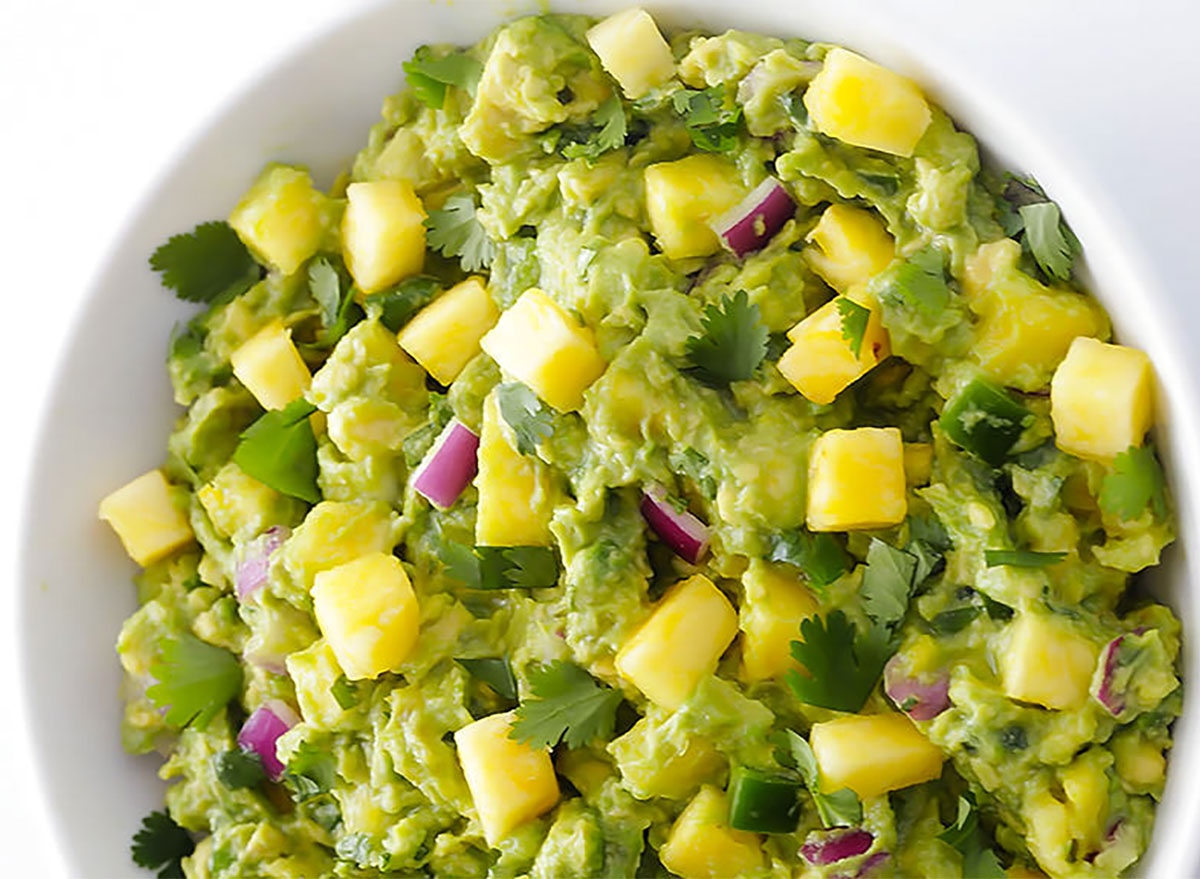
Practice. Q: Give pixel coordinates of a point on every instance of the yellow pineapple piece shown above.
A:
(873, 754)
(1049, 830)
(1046, 663)
(314, 671)
(282, 218)
(866, 105)
(334, 533)
(368, 613)
(681, 198)
(681, 642)
(271, 368)
(539, 343)
(820, 364)
(238, 504)
(702, 845)
(1085, 784)
(1101, 399)
(918, 463)
(856, 480)
(632, 49)
(651, 767)
(775, 604)
(516, 496)
(849, 247)
(1140, 763)
(511, 783)
(445, 335)
(146, 518)
(383, 233)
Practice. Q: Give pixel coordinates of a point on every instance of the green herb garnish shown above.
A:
(209, 264)
(195, 680)
(456, 231)
(280, 450)
(733, 344)
(568, 705)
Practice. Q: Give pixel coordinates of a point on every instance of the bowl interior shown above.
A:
(315, 108)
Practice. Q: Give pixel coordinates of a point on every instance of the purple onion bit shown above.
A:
(750, 225)
(251, 572)
(823, 848)
(681, 531)
(1106, 692)
(262, 730)
(450, 465)
(919, 700)
(868, 867)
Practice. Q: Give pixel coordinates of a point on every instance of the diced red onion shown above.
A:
(750, 225)
(829, 848)
(450, 465)
(920, 701)
(251, 571)
(868, 866)
(681, 531)
(262, 730)
(1106, 693)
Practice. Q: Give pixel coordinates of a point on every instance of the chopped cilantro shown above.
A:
(195, 680)
(280, 450)
(428, 75)
(161, 844)
(398, 304)
(1049, 240)
(838, 809)
(967, 838)
(854, 322)
(239, 768)
(887, 582)
(607, 132)
(820, 556)
(711, 121)
(495, 671)
(1135, 482)
(456, 231)
(499, 567)
(339, 311)
(842, 666)
(310, 773)
(209, 264)
(569, 705)
(531, 421)
(920, 283)
(733, 344)
(1021, 558)
(345, 693)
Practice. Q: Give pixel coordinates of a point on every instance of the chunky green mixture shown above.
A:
(881, 624)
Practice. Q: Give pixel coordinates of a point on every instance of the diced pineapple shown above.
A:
(332, 534)
(1046, 663)
(383, 233)
(775, 604)
(1049, 830)
(856, 480)
(314, 671)
(918, 463)
(584, 771)
(849, 247)
(146, 518)
(873, 754)
(368, 613)
(510, 782)
(239, 505)
(282, 218)
(516, 496)
(1085, 784)
(270, 367)
(1067, 819)
(681, 198)
(632, 49)
(821, 364)
(866, 105)
(445, 335)
(680, 643)
(1101, 399)
(702, 845)
(539, 343)
(652, 765)
(1140, 763)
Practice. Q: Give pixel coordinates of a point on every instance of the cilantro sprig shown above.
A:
(280, 450)
(207, 265)
(531, 420)
(1029, 216)
(310, 772)
(495, 671)
(842, 666)
(398, 304)
(607, 131)
(499, 567)
(161, 844)
(733, 344)
(429, 75)
(195, 680)
(854, 323)
(919, 283)
(454, 230)
(820, 556)
(335, 298)
(569, 705)
(239, 768)
(966, 836)
(887, 582)
(711, 121)
(841, 808)
(1134, 483)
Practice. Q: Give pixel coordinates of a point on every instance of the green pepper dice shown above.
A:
(985, 420)
(762, 802)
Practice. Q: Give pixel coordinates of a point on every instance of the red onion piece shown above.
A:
(750, 225)
(920, 701)
(681, 531)
(868, 866)
(262, 730)
(251, 571)
(829, 848)
(1106, 693)
(449, 466)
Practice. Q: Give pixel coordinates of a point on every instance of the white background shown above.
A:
(96, 95)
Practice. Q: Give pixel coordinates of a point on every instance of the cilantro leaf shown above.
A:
(607, 132)
(843, 666)
(280, 450)
(456, 231)
(339, 311)
(712, 124)
(1135, 482)
(531, 421)
(570, 706)
(495, 671)
(345, 693)
(428, 75)
(1050, 241)
(310, 773)
(398, 304)
(195, 680)
(838, 809)
(920, 282)
(887, 582)
(734, 342)
(854, 322)
(1021, 558)
(460, 563)
(209, 264)
(967, 838)
(499, 567)
(819, 556)
(161, 844)
(239, 768)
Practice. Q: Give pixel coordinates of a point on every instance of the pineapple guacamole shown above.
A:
(653, 457)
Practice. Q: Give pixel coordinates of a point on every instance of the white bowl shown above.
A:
(315, 108)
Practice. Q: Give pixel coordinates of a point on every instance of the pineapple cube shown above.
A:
(510, 782)
(1138, 762)
(539, 343)
(367, 611)
(681, 642)
(873, 754)
(146, 518)
(849, 247)
(918, 463)
(239, 505)
(632, 49)
(1046, 663)
(1101, 399)
(383, 233)
(820, 364)
(702, 845)
(314, 671)
(1085, 784)
(863, 104)
(652, 765)
(776, 602)
(681, 198)
(516, 496)
(270, 367)
(282, 218)
(445, 335)
(332, 534)
(1050, 833)
(856, 480)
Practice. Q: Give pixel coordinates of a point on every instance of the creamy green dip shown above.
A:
(1008, 664)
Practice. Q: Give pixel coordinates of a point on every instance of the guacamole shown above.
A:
(653, 456)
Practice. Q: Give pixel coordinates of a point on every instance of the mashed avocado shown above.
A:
(652, 458)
